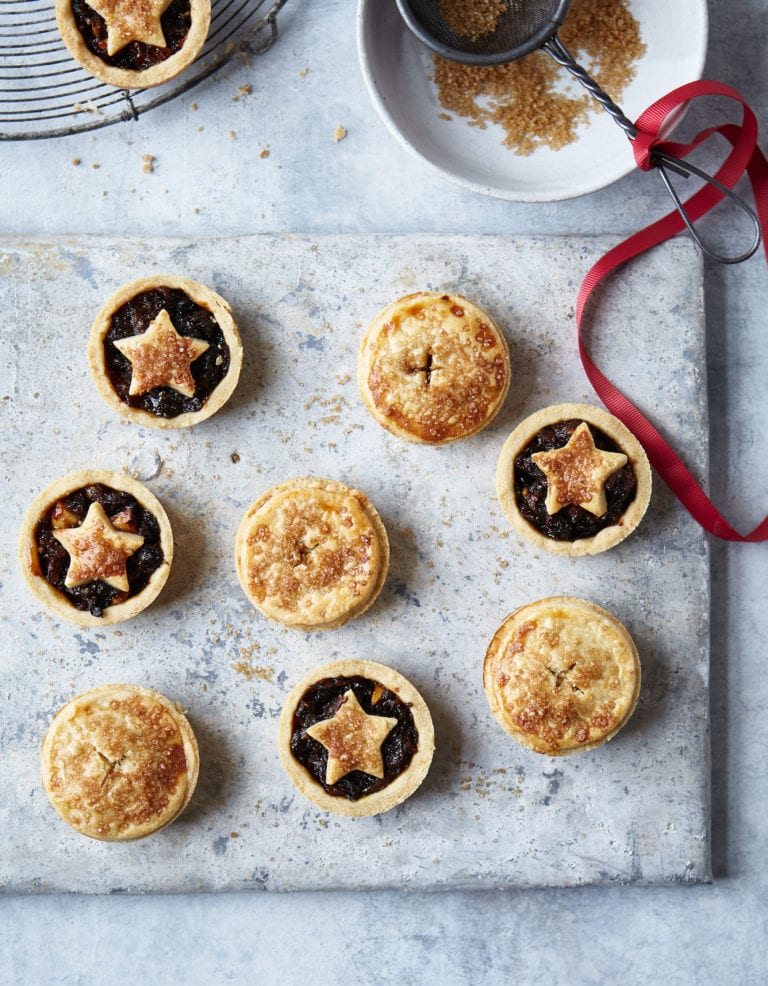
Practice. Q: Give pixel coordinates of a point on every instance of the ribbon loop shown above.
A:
(642, 148)
(744, 156)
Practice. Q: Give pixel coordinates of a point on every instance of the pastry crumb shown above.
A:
(339, 134)
(264, 153)
(235, 457)
(303, 73)
(149, 163)
(95, 165)
(75, 160)
(193, 106)
(233, 135)
(88, 107)
(246, 90)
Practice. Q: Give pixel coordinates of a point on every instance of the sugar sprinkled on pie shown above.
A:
(576, 473)
(160, 357)
(98, 550)
(131, 20)
(353, 739)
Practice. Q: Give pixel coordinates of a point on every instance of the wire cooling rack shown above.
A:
(45, 93)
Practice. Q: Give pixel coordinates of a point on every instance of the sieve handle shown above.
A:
(562, 56)
(660, 160)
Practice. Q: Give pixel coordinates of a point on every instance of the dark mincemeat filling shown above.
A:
(189, 319)
(321, 701)
(136, 55)
(96, 596)
(572, 522)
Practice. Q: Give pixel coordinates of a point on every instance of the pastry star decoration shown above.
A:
(576, 473)
(353, 740)
(131, 20)
(98, 550)
(160, 357)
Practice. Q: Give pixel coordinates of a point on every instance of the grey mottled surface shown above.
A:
(490, 813)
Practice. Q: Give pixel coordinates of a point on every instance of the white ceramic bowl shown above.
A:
(398, 72)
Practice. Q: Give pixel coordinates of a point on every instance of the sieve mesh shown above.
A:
(45, 93)
(518, 27)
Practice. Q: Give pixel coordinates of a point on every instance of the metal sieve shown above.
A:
(519, 27)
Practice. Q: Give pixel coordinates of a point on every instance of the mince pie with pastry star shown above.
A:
(356, 737)
(165, 351)
(134, 44)
(573, 479)
(96, 547)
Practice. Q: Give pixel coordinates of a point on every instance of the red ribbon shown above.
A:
(744, 156)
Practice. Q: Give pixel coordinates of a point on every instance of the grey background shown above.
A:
(310, 183)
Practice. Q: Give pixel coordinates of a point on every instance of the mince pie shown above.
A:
(433, 368)
(312, 553)
(165, 351)
(561, 675)
(119, 762)
(573, 479)
(134, 44)
(356, 738)
(96, 547)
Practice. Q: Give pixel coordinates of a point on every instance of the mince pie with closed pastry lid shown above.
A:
(562, 675)
(356, 737)
(433, 368)
(134, 44)
(165, 351)
(119, 762)
(96, 547)
(573, 479)
(312, 553)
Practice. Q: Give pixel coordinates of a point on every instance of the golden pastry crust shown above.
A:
(119, 762)
(312, 553)
(170, 354)
(561, 675)
(90, 556)
(433, 368)
(126, 78)
(577, 474)
(358, 748)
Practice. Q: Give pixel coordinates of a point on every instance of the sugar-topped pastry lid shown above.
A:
(312, 553)
(128, 21)
(164, 356)
(119, 762)
(561, 675)
(575, 473)
(355, 739)
(433, 368)
(99, 547)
